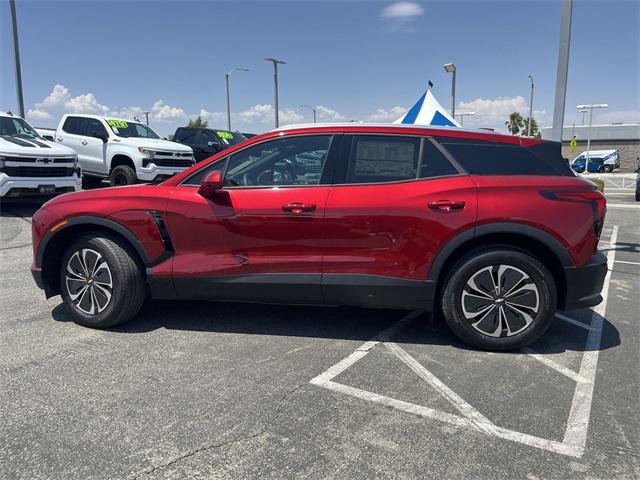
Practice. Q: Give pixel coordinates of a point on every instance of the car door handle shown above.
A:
(60, 139)
(297, 207)
(447, 205)
(84, 142)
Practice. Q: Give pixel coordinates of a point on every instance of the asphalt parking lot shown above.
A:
(215, 390)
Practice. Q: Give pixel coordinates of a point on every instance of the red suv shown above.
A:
(494, 230)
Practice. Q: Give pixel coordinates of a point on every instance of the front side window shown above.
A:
(128, 129)
(16, 127)
(285, 161)
(73, 125)
(186, 135)
(376, 159)
(93, 127)
(207, 139)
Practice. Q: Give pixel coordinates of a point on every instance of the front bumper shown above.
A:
(584, 283)
(152, 172)
(19, 186)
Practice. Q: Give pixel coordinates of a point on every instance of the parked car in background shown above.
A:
(124, 151)
(599, 161)
(47, 133)
(207, 141)
(369, 215)
(31, 165)
(249, 135)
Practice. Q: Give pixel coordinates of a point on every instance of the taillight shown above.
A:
(593, 198)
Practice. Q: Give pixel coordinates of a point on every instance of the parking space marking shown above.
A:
(544, 359)
(629, 263)
(622, 205)
(575, 435)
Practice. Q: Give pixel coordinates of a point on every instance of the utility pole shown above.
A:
(530, 107)
(563, 70)
(590, 108)
(312, 109)
(146, 114)
(16, 57)
(226, 78)
(451, 68)
(275, 83)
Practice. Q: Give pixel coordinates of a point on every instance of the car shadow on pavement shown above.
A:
(22, 207)
(341, 323)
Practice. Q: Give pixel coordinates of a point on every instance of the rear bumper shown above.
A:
(584, 283)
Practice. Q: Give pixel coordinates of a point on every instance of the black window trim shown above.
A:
(328, 168)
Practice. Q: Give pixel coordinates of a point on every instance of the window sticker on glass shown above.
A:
(115, 124)
(394, 159)
(225, 135)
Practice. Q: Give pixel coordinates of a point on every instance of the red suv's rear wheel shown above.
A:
(499, 299)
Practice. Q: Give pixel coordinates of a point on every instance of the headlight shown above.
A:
(146, 151)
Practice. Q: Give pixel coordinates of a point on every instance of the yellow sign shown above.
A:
(117, 123)
(573, 144)
(226, 135)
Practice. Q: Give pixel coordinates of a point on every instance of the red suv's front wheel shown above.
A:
(499, 299)
(101, 282)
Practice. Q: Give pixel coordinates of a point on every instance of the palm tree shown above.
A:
(515, 123)
(535, 130)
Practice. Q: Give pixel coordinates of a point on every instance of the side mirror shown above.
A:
(211, 185)
(104, 136)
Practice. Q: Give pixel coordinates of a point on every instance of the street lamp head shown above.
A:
(593, 105)
(242, 69)
(449, 67)
(275, 60)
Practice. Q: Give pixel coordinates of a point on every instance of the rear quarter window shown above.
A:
(489, 158)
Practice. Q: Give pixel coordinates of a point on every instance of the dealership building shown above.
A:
(624, 137)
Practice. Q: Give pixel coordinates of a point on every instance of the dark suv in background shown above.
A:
(207, 141)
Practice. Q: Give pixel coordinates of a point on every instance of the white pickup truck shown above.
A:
(30, 165)
(124, 151)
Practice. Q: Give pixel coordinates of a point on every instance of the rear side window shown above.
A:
(486, 158)
(377, 159)
(186, 135)
(434, 163)
(73, 125)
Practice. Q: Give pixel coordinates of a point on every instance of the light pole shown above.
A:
(275, 62)
(451, 68)
(226, 79)
(16, 57)
(312, 109)
(530, 107)
(583, 112)
(562, 71)
(590, 108)
(146, 114)
(465, 114)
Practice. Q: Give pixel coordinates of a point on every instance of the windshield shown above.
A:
(230, 138)
(16, 127)
(131, 129)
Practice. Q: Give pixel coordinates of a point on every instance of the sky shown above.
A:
(351, 60)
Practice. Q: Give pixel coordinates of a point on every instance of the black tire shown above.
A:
(608, 169)
(637, 194)
(125, 274)
(89, 181)
(123, 175)
(538, 284)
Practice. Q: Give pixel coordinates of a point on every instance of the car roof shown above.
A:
(598, 153)
(100, 117)
(362, 127)
(10, 115)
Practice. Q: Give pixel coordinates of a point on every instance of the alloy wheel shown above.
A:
(500, 300)
(89, 281)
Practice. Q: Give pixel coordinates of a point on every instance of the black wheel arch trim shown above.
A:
(117, 228)
(498, 228)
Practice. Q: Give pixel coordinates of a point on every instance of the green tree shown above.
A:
(198, 123)
(515, 123)
(535, 130)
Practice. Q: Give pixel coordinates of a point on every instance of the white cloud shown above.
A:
(328, 114)
(86, 103)
(621, 116)
(58, 96)
(386, 116)
(38, 114)
(402, 10)
(264, 113)
(494, 112)
(212, 116)
(162, 111)
(401, 15)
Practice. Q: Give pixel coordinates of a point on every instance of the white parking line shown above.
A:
(628, 263)
(575, 435)
(623, 205)
(570, 320)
